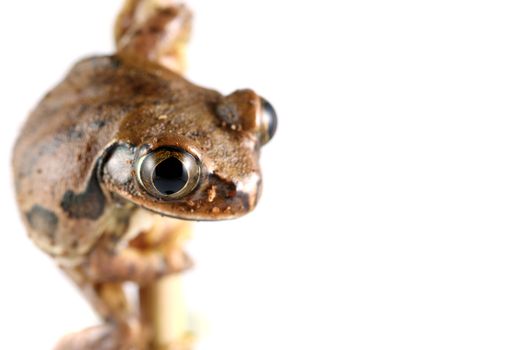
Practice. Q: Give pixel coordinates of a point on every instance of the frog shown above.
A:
(122, 143)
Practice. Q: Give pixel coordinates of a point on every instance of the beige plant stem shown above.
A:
(162, 303)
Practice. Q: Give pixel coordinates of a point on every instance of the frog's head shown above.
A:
(195, 159)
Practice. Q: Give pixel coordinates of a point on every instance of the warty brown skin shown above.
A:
(77, 161)
(109, 105)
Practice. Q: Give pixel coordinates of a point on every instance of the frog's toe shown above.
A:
(104, 337)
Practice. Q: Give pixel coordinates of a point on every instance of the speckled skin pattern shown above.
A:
(110, 110)
(75, 164)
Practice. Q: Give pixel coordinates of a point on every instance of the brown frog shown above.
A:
(122, 141)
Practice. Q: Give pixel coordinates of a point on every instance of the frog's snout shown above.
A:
(249, 192)
(230, 199)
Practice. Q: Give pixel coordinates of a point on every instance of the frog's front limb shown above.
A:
(121, 330)
(142, 266)
(101, 279)
(154, 30)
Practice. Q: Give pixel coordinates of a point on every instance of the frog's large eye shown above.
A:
(246, 111)
(267, 121)
(168, 173)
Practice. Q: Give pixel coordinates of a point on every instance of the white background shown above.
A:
(394, 202)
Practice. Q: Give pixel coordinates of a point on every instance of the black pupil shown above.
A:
(170, 176)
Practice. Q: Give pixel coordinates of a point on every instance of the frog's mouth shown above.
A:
(213, 200)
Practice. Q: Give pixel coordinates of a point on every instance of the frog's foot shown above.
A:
(105, 337)
(155, 30)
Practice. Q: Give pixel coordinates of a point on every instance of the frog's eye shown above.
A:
(267, 121)
(245, 110)
(168, 173)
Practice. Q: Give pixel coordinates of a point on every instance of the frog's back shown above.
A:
(55, 157)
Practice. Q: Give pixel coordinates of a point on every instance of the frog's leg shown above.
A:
(154, 30)
(101, 280)
(120, 330)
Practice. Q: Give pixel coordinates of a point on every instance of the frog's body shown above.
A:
(82, 173)
(56, 158)
(110, 106)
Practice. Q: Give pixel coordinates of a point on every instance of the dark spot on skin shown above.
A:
(42, 220)
(115, 62)
(155, 29)
(135, 89)
(168, 12)
(86, 205)
(98, 124)
(228, 113)
(76, 134)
